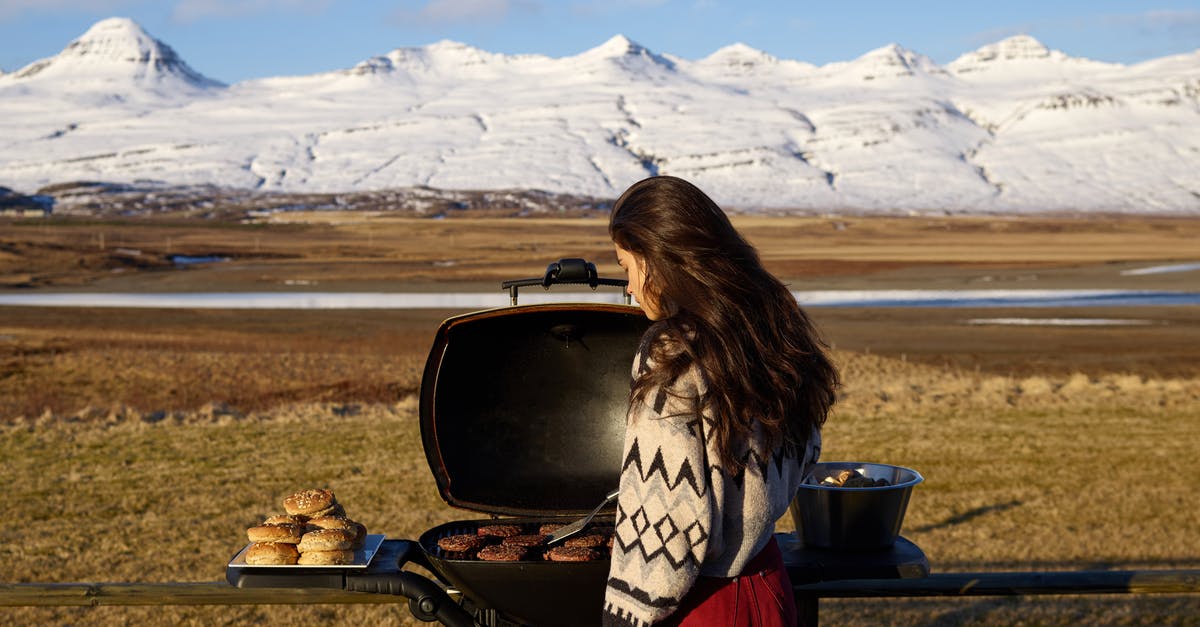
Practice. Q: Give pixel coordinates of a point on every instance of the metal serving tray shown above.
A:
(362, 558)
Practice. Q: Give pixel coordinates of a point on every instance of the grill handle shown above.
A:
(562, 272)
(426, 600)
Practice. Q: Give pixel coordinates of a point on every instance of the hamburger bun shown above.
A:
(333, 510)
(272, 553)
(315, 502)
(326, 540)
(286, 533)
(331, 522)
(286, 519)
(341, 522)
(326, 558)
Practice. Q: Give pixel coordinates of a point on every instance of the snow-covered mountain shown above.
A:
(1011, 127)
(114, 59)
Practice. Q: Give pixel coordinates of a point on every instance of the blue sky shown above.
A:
(234, 40)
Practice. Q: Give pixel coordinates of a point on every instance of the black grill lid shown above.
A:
(523, 408)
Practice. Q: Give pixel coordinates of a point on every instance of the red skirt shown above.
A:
(761, 596)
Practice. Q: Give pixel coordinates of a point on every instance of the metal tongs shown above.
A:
(570, 529)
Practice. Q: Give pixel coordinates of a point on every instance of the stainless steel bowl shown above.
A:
(831, 517)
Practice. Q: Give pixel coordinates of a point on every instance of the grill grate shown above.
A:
(430, 541)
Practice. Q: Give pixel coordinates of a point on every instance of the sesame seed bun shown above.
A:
(341, 522)
(286, 533)
(313, 502)
(285, 519)
(325, 558)
(326, 540)
(272, 553)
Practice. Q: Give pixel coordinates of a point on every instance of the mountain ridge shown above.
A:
(1010, 127)
(116, 48)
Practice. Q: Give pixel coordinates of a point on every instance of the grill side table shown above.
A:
(806, 565)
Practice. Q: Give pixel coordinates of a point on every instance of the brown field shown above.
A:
(140, 443)
(362, 251)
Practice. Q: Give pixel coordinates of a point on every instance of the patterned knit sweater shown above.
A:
(679, 514)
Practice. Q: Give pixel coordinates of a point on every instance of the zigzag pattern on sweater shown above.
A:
(702, 427)
(658, 466)
(676, 502)
(750, 460)
(653, 529)
(660, 537)
(616, 617)
(642, 596)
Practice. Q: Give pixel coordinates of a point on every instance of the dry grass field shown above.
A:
(366, 251)
(138, 444)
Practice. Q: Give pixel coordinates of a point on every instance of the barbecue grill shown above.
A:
(522, 414)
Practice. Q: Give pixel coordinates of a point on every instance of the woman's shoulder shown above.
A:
(662, 335)
(660, 344)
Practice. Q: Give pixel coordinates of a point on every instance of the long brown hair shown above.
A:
(760, 355)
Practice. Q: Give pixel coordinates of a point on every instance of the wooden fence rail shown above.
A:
(1014, 584)
(179, 593)
(940, 584)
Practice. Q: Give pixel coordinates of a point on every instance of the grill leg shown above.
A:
(807, 610)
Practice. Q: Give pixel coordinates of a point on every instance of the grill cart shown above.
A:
(522, 415)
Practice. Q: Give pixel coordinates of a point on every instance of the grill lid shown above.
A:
(523, 408)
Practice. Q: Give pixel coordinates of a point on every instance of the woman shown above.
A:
(730, 388)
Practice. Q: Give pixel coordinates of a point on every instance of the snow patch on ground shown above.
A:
(1061, 322)
(1179, 267)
